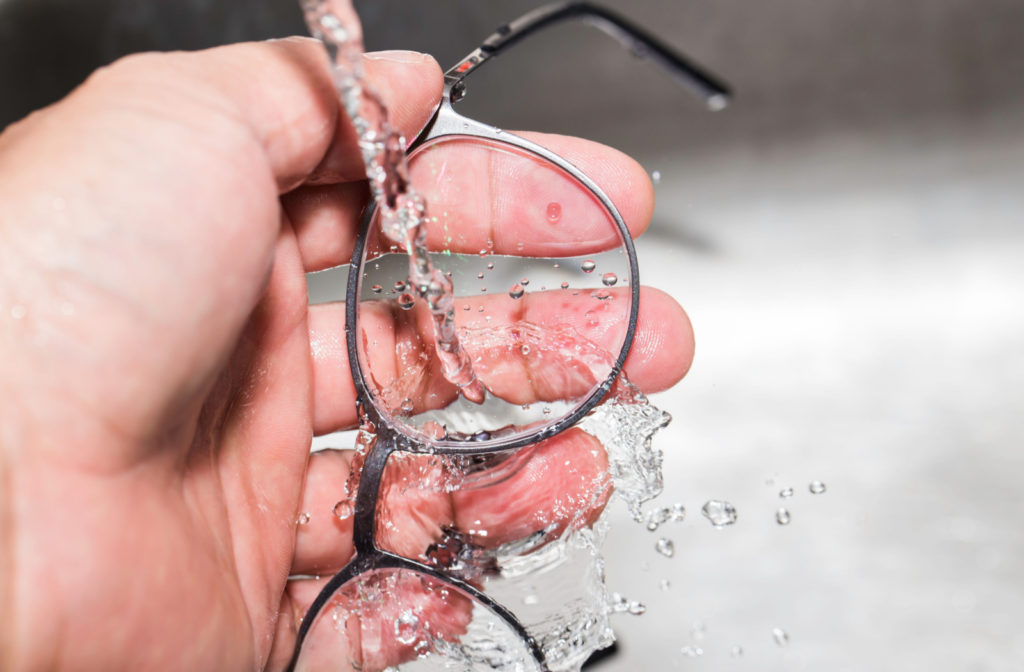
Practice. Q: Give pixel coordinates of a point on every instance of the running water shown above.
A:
(403, 211)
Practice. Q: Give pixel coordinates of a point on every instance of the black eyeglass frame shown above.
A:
(447, 123)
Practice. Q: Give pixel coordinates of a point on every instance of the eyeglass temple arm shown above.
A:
(714, 93)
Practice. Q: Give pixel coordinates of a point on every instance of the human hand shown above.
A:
(163, 374)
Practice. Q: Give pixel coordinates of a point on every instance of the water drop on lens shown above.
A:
(609, 279)
(665, 547)
(342, 510)
(588, 266)
(517, 291)
(678, 513)
(406, 301)
(554, 212)
(637, 608)
(719, 512)
(782, 517)
(619, 603)
(405, 627)
(490, 265)
(524, 281)
(399, 286)
(736, 652)
(816, 487)
(376, 289)
(692, 651)
(786, 493)
(780, 636)
(665, 584)
(565, 285)
(302, 519)
(480, 276)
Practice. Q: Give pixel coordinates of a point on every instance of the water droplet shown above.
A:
(678, 513)
(490, 266)
(376, 289)
(665, 547)
(480, 275)
(554, 212)
(736, 651)
(619, 603)
(517, 291)
(692, 651)
(565, 285)
(780, 636)
(786, 493)
(719, 512)
(406, 301)
(656, 176)
(637, 608)
(816, 487)
(658, 516)
(406, 627)
(399, 286)
(588, 266)
(602, 295)
(782, 517)
(465, 307)
(407, 405)
(665, 584)
(525, 349)
(524, 281)
(609, 279)
(343, 510)
(302, 519)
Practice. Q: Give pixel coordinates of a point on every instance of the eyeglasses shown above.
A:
(546, 306)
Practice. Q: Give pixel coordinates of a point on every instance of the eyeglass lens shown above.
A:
(541, 275)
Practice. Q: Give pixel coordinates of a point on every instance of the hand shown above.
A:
(162, 373)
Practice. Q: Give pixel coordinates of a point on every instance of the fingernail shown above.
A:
(397, 56)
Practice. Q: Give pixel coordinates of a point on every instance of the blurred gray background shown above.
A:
(848, 239)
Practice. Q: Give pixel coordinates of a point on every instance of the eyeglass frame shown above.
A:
(446, 122)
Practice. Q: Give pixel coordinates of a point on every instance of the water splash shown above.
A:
(403, 211)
